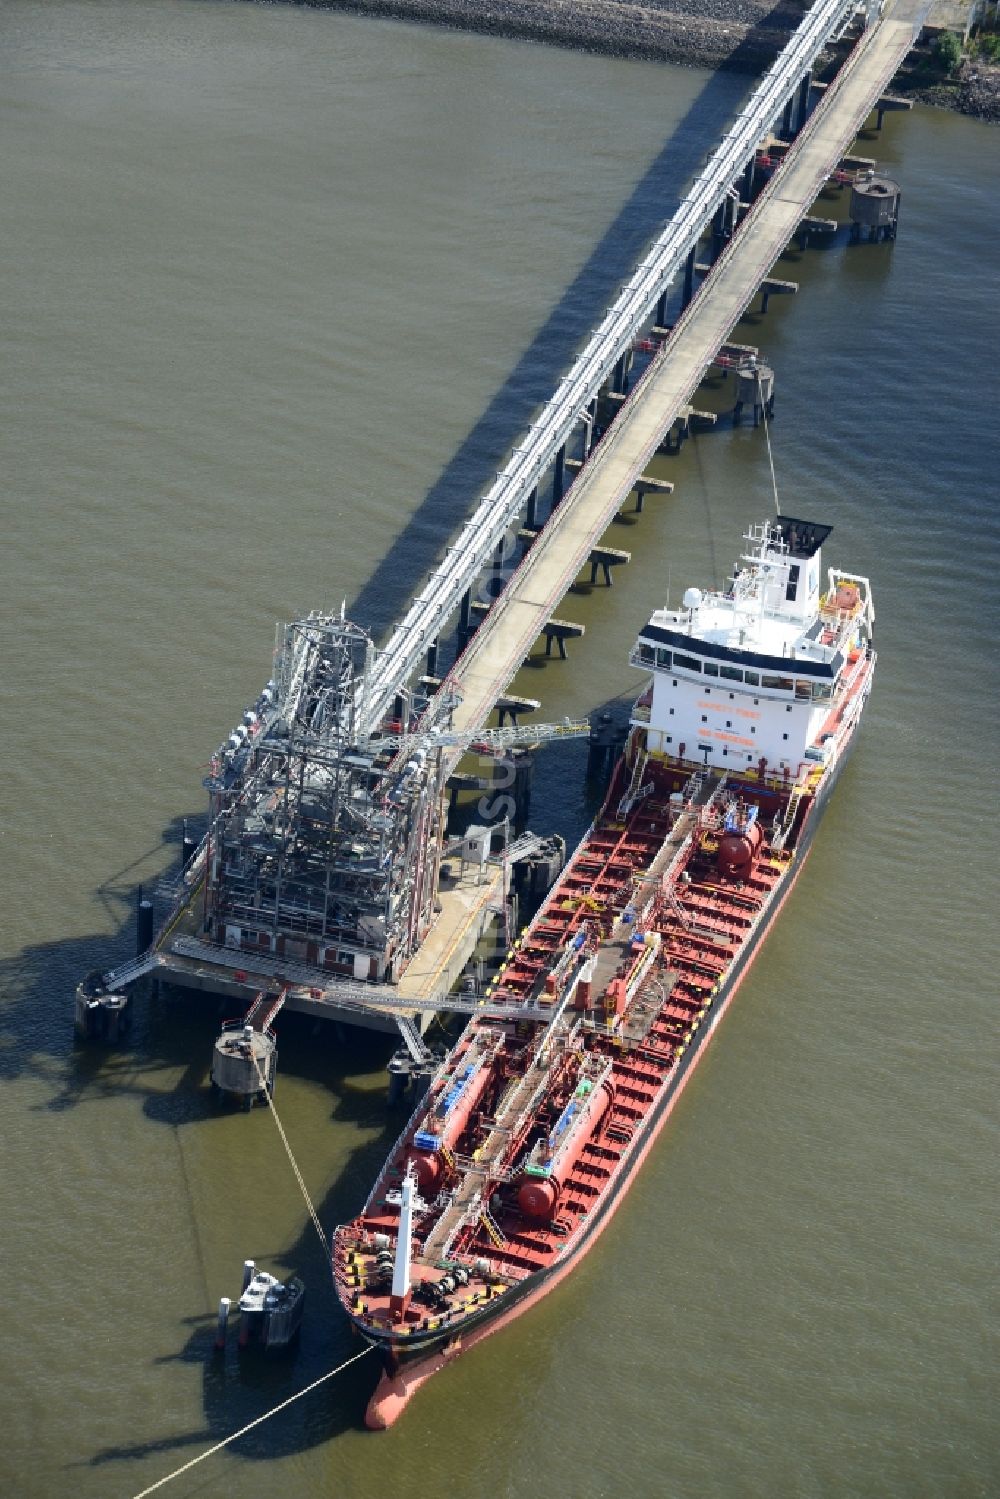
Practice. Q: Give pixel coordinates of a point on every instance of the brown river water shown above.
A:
(280, 289)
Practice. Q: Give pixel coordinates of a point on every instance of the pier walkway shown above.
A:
(518, 617)
(781, 94)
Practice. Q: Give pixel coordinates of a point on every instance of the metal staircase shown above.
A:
(492, 1227)
(127, 973)
(636, 791)
(799, 790)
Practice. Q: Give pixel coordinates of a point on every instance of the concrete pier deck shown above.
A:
(469, 899)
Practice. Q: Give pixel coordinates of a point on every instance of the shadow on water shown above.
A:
(167, 1034)
(468, 473)
(240, 1385)
(38, 983)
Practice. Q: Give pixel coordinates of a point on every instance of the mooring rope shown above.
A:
(317, 1225)
(250, 1426)
(767, 434)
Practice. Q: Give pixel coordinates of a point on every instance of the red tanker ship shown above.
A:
(535, 1124)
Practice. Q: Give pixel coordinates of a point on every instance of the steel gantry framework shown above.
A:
(325, 840)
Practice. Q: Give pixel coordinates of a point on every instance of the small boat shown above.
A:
(535, 1124)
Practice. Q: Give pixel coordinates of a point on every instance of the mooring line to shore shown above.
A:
(159, 1484)
(317, 1225)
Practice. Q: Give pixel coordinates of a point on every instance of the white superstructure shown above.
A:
(757, 672)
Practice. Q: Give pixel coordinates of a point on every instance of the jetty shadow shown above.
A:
(38, 985)
(239, 1385)
(471, 469)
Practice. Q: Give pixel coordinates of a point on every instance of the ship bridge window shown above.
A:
(647, 655)
(822, 692)
(783, 684)
(803, 689)
(710, 669)
(662, 658)
(793, 582)
(752, 678)
(731, 673)
(686, 663)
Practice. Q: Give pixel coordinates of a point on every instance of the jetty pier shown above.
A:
(325, 873)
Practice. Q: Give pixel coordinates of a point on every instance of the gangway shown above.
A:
(127, 973)
(491, 741)
(523, 847)
(413, 1040)
(264, 1010)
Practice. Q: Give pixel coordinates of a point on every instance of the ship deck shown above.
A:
(645, 859)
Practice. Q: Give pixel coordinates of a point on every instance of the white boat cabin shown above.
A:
(752, 674)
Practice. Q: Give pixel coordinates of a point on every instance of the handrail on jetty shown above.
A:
(503, 503)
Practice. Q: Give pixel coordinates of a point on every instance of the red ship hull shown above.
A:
(709, 927)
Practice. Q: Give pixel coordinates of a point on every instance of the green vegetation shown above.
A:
(948, 52)
(987, 46)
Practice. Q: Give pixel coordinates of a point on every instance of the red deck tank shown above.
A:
(737, 851)
(538, 1195)
(448, 1124)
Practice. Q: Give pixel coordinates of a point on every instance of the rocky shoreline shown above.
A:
(974, 91)
(739, 35)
